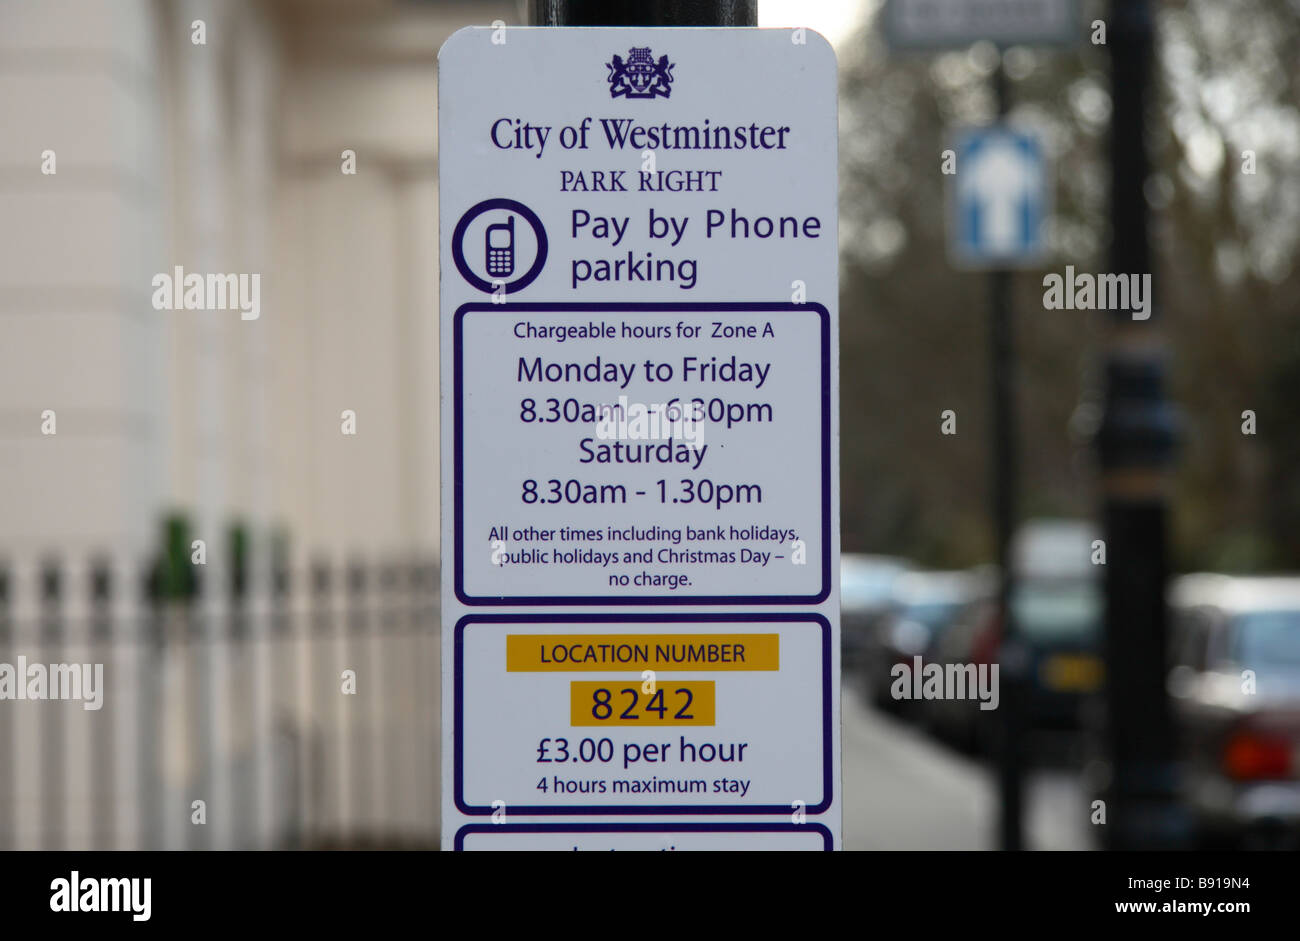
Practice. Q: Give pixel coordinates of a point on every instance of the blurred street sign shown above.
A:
(998, 199)
(947, 24)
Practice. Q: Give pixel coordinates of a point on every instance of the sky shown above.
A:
(834, 19)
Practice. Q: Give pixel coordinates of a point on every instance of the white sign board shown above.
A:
(639, 439)
(945, 24)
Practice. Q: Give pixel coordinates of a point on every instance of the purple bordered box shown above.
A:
(815, 621)
(472, 829)
(460, 481)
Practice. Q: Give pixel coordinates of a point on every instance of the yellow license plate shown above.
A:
(1071, 673)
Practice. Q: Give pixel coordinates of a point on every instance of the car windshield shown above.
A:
(1066, 611)
(1267, 639)
(865, 584)
(934, 615)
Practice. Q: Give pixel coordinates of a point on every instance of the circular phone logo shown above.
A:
(494, 243)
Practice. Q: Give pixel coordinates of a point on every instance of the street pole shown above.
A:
(1135, 444)
(1002, 364)
(643, 13)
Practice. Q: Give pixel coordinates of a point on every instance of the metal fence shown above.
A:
(239, 700)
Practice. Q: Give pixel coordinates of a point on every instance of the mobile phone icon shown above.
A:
(499, 247)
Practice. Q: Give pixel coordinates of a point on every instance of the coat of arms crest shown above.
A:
(640, 76)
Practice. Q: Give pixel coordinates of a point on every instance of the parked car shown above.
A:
(1235, 694)
(1058, 624)
(1057, 610)
(866, 584)
(921, 607)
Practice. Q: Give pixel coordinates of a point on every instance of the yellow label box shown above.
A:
(564, 653)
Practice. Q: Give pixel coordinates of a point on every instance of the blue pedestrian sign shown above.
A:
(998, 198)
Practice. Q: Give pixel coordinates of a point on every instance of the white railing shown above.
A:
(237, 702)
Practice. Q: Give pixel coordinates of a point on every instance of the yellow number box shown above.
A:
(625, 702)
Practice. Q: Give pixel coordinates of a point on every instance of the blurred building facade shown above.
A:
(139, 136)
(224, 155)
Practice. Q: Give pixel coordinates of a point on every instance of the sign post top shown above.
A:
(470, 38)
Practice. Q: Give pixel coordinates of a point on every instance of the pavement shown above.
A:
(906, 791)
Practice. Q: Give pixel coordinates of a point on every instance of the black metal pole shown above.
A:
(643, 13)
(54, 788)
(8, 723)
(102, 745)
(1136, 444)
(148, 663)
(1002, 364)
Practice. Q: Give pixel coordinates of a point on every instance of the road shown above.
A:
(904, 791)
